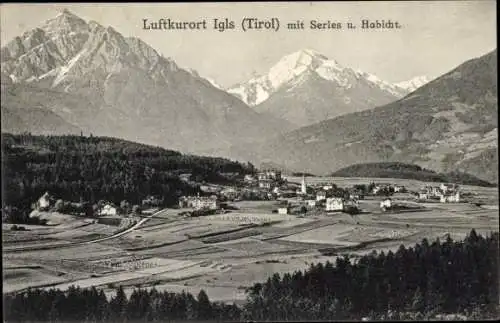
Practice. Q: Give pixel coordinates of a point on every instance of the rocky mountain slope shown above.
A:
(21, 116)
(306, 87)
(96, 79)
(448, 124)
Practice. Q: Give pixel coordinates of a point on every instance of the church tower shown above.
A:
(303, 188)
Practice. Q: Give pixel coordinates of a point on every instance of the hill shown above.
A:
(78, 168)
(408, 171)
(448, 124)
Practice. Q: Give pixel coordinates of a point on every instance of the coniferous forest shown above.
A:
(78, 168)
(421, 282)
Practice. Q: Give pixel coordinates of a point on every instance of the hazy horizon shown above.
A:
(436, 36)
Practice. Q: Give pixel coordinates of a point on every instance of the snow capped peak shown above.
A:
(414, 83)
(291, 66)
(306, 62)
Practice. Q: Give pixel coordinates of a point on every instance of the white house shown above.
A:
(108, 209)
(274, 175)
(448, 187)
(398, 188)
(450, 198)
(210, 203)
(334, 204)
(266, 184)
(321, 195)
(386, 204)
(229, 193)
(43, 202)
(423, 196)
(200, 202)
(283, 210)
(433, 191)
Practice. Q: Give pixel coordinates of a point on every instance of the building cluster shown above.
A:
(152, 201)
(197, 203)
(107, 209)
(47, 202)
(387, 188)
(269, 179)
(445, 193)
(333, 204)
(323, 197)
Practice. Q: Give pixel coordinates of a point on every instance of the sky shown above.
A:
(435, 37)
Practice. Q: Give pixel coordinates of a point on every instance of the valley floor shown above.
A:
(222, 254)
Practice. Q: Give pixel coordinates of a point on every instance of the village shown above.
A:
(327, 197)
(225, 237)
(268, 185)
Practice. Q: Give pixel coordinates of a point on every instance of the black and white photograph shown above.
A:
(249, 161)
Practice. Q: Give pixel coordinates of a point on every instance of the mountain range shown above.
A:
(448, 124)
(306, 87)
(307, 113)
(83, 76)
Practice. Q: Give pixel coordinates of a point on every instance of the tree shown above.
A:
(118, 304)
(418, 302)
(204, 306)
(59, 206)
(136, 209)
(125, 206)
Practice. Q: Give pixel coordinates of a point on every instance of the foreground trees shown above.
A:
(430, 279)
(91, 305)
(416, 283)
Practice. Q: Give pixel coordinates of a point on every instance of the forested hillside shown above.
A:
(423, 282)
(414, 283)
(408, 171)
(78, 168)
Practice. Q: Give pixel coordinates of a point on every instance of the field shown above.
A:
(225, 253)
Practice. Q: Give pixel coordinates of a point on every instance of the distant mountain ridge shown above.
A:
(101, 82)
(407, 171)
(305, 87)
(448, 124)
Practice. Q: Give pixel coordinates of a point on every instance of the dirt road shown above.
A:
(72, 244)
